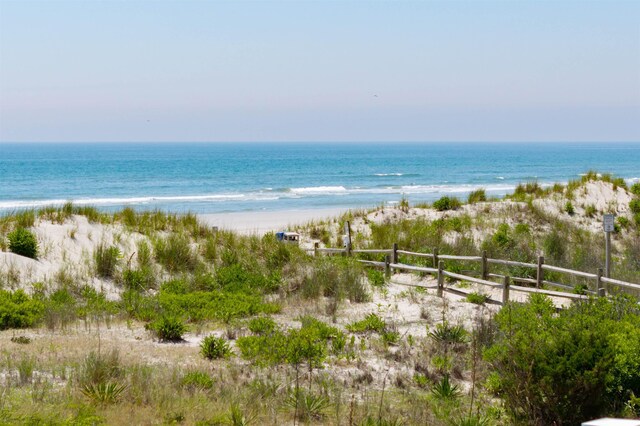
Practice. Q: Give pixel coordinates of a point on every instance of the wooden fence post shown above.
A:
(435, 258)
(485, 265)
(540, 274)
(387, 268)
(505, 290)
(395, 252)
(600, 289)
(440, 278)
(316, 245)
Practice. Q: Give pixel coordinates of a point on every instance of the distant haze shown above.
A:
(319, 71)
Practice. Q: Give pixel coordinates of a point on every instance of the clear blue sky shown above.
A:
(319, 71)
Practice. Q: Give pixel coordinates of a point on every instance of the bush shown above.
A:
(213, 347)
(23, 242)
(635, 189)
(371, 322)
(446, 203)
(262, 325)
(106, 259)
(568, 367)
(634, 205)
(175, 254)
(477, 298)
(477, 196)
(590, 210)
(18, 310)
(168, 328)
(569, 208)
(197, 380)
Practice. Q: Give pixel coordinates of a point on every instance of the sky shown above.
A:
(266, 70)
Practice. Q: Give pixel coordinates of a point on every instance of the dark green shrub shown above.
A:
(634, 205)
(477, 196)
(23, 242)
(569, 208)
(19, 310)
(635, 189)
(567, 367)
(168, 328)
(446, 203)
(106, 259)
(213, 347)
(138, 279)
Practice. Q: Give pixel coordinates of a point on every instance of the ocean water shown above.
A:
(230, 177)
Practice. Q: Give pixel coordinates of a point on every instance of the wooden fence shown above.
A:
(601, 285)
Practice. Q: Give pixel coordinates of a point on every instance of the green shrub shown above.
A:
(106, 260)
(590, 210)
(376, 278)
(23, 242)
(446, 203)
(635, 189)
(168, 328)
(569, 208)
(623, 222)
(19, 310)
(197, 380)
(477, 196)
(567, 367)
(213, 347)
(477, 298)
(634, 205)
(306, 345)
(371, 322)
(262, 325)
(445, 390)
(138, 279)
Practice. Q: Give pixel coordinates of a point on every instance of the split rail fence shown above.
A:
(601, 285)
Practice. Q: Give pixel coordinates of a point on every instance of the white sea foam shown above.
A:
(319, 190)
(388, 174)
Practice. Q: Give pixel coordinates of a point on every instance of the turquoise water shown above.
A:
(217, 177)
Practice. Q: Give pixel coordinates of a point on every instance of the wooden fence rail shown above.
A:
(391, 263)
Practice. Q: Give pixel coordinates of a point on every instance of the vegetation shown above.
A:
(288, 337)
(447, 203)
(23, 242)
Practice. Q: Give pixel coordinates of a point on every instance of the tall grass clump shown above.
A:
(23, 242)
(477, 196)
(106, 260)
(175, 254)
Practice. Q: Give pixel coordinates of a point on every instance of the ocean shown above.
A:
(241, 177)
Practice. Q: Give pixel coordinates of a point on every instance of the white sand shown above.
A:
(265, 221)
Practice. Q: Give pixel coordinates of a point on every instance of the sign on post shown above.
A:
(609, 222)
(609, 227)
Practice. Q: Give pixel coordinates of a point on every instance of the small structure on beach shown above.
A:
(288, 237)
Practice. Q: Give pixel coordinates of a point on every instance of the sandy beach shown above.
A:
(255, 222)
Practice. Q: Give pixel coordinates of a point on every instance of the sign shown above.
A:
(608, 222)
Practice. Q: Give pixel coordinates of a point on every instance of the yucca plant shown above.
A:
(307, 405)
(445, 390)
(446, 333)
(104, 392)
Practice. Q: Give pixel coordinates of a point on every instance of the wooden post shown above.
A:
(387, 268)
(440, 278)
(540, 275)
(505, 290)
(485, 265)
(435, 257)
(599, 285)
(602, 292)
(347, 228)
(316, 245)
(395, 252)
